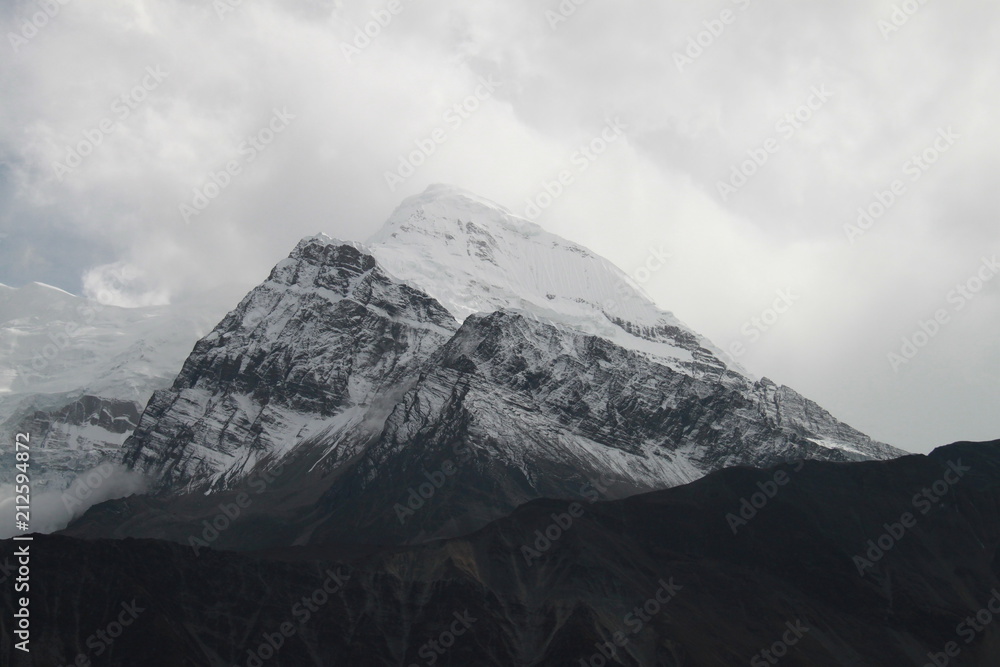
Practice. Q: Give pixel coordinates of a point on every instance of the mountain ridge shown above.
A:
(366, 384)
(557, 603)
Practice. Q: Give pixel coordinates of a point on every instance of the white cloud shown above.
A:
(124, 285)
(353, 119)
(53, 510)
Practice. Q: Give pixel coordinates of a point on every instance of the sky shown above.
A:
(809, 184)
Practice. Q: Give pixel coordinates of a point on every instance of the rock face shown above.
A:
(306, 352)
(405, 413)
(474, 256)
(659, 580)
(70, 438)
(513, 409)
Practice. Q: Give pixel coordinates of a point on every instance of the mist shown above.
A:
(53, 510)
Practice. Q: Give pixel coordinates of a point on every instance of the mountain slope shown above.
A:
(363, 389)
(547, 590)
(307, 351)
(519, 409)
(76, 374)
(475, 256)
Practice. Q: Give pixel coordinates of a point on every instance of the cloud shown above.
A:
(122, 284)
(361, 103)
(53, 510)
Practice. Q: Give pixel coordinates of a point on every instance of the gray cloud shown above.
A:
(354, 117)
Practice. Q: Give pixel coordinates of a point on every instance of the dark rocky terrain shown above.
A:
(724, 597)
(471, 442)
(363, 390)
(325, 333)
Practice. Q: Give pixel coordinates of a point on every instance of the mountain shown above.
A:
(76, 374)
(458, 365)
(829, 564)
(474, 256)
(311, 352)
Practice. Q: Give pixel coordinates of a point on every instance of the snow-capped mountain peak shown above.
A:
(481, 257)
(464, 338)
(475, 256)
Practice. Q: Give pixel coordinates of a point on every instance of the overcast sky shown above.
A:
(751, 134)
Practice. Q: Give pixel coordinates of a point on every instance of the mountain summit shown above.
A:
(465, 348)
(474, 256)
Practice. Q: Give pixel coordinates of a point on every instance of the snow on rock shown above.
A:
(75, 374)
(475, 256)
(459, 324)
(325, 333)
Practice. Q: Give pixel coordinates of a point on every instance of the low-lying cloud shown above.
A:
(53, 510)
